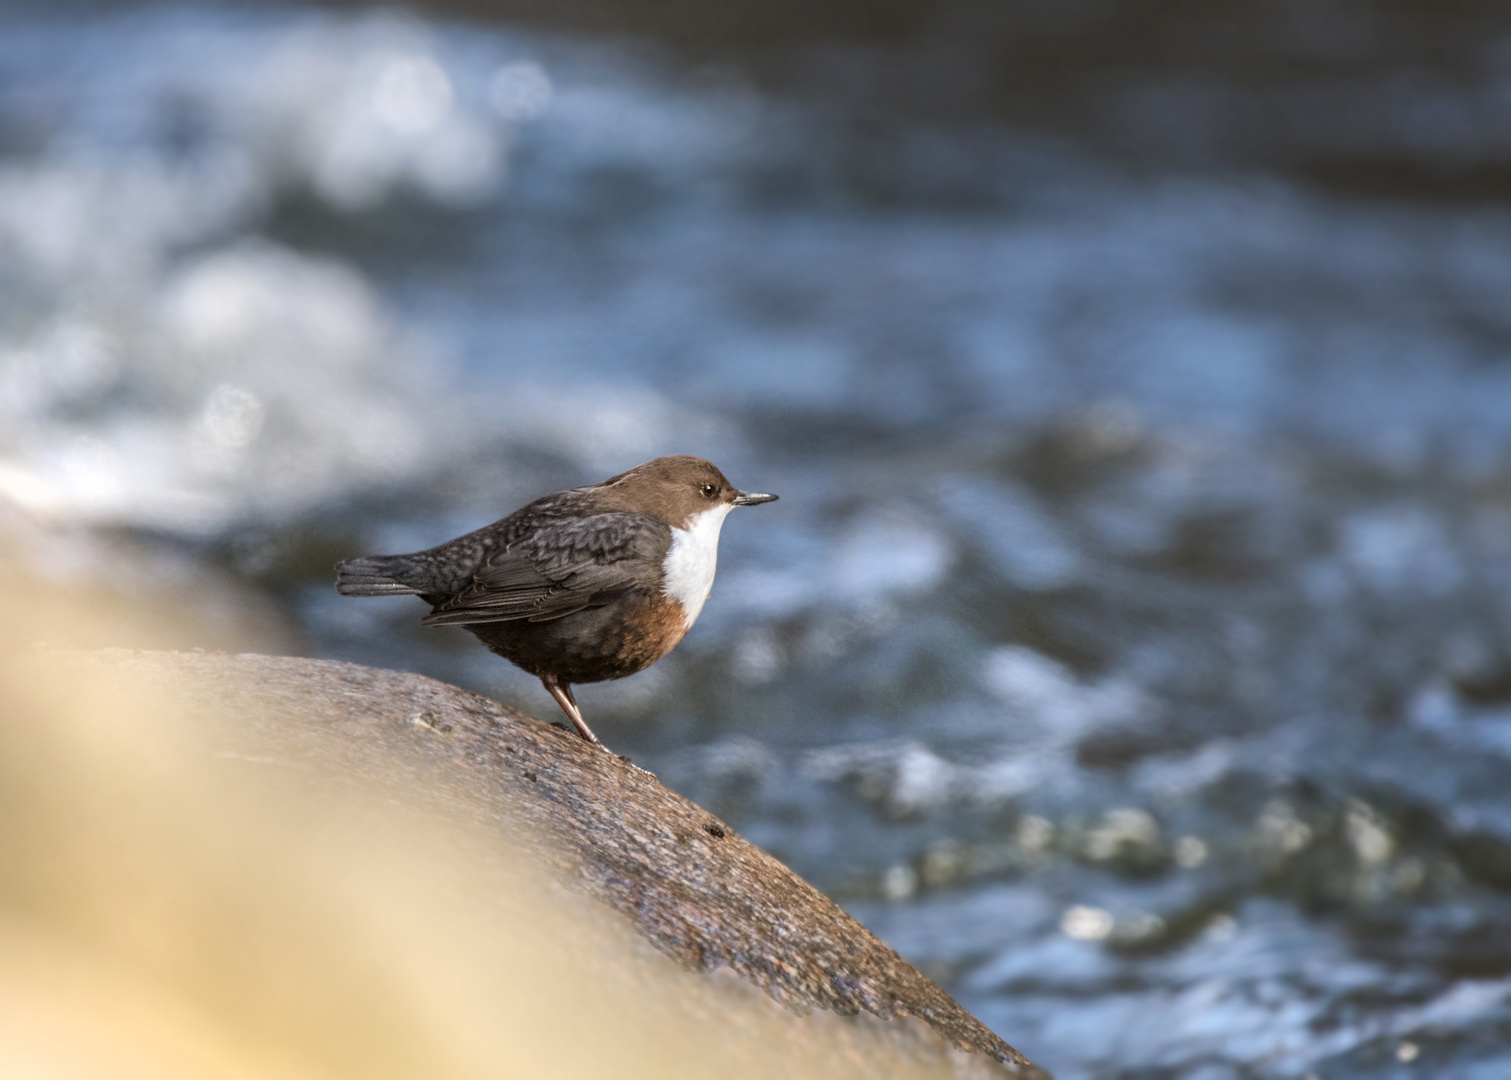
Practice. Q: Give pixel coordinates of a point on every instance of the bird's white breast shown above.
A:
(688, 573)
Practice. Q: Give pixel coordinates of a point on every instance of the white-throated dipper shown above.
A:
(585, 585)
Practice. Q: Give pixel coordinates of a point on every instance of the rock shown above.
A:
(688, 883)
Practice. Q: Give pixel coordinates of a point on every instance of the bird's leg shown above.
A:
(562, 692)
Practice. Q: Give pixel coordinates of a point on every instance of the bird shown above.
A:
(581, 586)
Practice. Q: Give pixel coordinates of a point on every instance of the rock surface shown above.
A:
(689, 884)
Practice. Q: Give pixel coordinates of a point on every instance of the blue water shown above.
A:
(1131, 647)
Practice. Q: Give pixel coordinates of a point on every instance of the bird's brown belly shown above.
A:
(591, 645)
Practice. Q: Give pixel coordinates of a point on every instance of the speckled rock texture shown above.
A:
(690, 885)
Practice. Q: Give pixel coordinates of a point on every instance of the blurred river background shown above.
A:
(1131, 647)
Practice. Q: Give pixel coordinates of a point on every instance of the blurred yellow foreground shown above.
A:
(168, 913)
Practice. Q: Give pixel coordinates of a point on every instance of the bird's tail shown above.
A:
(377, 575)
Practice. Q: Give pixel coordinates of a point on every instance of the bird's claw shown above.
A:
(624, 758)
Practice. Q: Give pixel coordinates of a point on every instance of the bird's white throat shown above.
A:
(688, 573)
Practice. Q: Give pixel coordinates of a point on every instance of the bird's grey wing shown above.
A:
(560, 568)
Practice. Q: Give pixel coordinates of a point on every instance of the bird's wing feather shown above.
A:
(560, 568)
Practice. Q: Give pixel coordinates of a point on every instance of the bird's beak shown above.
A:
(751, 499)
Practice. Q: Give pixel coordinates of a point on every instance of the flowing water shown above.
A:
(1131, 647)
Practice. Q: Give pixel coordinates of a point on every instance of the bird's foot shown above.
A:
(625, 758)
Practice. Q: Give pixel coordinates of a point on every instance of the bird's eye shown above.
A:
(708, 491)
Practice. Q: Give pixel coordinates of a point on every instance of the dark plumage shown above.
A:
(584, 585)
